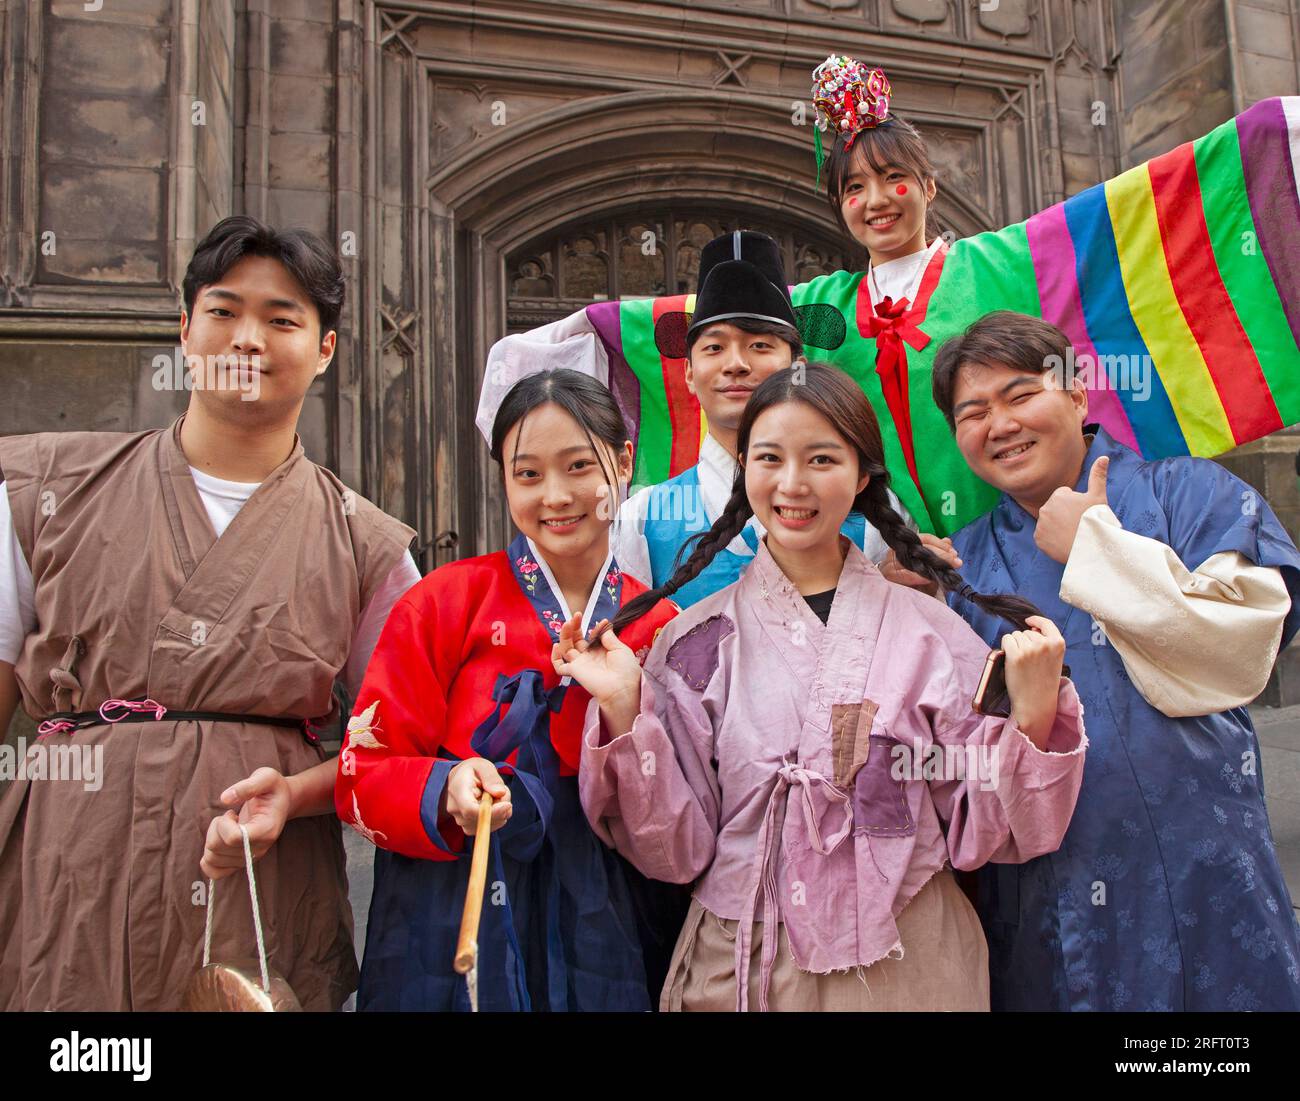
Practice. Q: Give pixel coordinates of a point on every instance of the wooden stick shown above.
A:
(467, 944)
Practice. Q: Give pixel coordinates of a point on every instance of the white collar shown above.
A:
(717, 459)
(559, 593)
(223, 487)
(901, 278)
(717, 470)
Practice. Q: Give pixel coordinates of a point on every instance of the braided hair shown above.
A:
(836, 397)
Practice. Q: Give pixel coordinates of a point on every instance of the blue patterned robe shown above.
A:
(1166, 893)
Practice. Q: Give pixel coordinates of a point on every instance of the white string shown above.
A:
(207, 924)
(257, 916)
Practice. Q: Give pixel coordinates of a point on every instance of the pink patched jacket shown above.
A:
(821, 774)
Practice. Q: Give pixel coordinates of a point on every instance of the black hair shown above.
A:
(755, 327)
(306, 257)
(587, 401)
(1000, 339)
(841, 401)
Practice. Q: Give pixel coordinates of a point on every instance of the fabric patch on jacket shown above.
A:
(851, 738)
(695, 654)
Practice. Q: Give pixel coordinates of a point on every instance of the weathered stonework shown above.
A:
(454, 153)
(1270, 466)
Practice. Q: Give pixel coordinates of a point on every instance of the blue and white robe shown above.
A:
(1166, 893)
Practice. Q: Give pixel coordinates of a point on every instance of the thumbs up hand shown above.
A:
(1058, 519)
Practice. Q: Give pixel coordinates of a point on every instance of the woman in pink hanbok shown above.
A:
(802, 744)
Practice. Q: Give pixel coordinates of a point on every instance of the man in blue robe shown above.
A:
(1173, 584)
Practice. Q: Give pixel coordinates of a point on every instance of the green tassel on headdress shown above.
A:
(819, 152)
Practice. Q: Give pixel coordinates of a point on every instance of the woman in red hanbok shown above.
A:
(460, 698)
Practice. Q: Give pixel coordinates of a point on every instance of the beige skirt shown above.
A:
(945, 964)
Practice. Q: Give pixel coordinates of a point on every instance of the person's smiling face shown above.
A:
(801, 476)
(556, 483)
(726, 365)
(1019, 431)
(885, 210)
(259, 320)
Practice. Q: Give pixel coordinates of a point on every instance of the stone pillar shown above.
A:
(1175, 73)
(285, 111)
(116, 138)
(1269, 465)
(1264, 42)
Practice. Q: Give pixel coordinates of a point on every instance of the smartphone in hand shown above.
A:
(991, 697)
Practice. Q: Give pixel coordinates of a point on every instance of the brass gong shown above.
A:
(237, 988)
(244, 986)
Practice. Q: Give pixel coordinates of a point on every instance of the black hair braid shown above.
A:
(913, 555)
(707, 544)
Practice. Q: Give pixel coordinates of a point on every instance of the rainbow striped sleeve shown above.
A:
(1173, 278)
(1178, 283)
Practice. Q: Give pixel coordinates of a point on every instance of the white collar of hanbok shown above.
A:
(717, 473)
(901, 278)
(559, 593)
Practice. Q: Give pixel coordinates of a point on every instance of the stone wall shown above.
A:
(116, 133)
(1264, 37)
(1186, 65)
(137, 127)
(433, 141)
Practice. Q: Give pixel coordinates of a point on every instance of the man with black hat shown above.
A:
(744, 329)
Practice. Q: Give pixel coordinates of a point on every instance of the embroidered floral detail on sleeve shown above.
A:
(361, 828)
(695, 655)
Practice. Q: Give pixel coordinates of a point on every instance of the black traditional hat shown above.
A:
(742, 276)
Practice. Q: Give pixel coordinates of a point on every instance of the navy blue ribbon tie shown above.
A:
(560, 924)
(526, 726)
(525, 729)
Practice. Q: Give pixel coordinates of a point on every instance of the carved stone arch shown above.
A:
(954, 211)
(581, 161)
(580, 147)
(574, 154)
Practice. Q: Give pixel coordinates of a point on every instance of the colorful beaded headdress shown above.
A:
(849, 98)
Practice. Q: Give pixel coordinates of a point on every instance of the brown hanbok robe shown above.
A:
(101, 895)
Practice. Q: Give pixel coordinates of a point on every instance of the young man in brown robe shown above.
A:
(214, 571)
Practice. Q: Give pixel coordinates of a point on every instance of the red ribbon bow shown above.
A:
(892, 327)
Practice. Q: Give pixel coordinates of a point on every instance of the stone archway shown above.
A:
(646, 251)
(631, 155)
